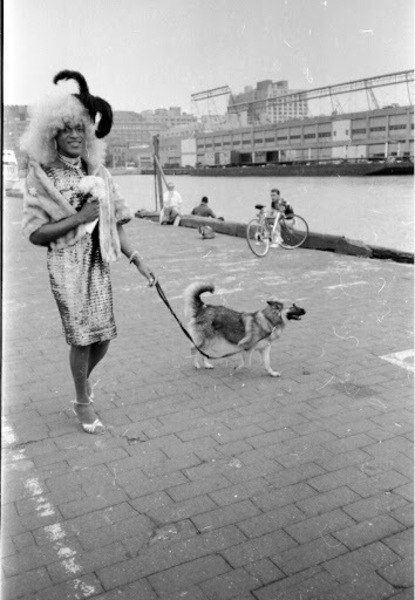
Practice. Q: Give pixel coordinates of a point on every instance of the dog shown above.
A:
(248, 332)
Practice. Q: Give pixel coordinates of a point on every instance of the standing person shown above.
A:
(172, 204)
(203, 210)
(73, 207)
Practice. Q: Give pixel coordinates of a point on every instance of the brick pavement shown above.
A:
(211, 485)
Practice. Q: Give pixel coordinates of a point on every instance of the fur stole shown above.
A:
(44, 204)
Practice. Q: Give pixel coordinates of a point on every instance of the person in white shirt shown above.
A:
(172, 203)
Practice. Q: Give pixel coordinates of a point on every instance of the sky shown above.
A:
(146, 54)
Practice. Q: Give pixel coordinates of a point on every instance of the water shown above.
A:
(375, 210)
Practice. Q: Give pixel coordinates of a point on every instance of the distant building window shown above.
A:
(246, 142)
(236, 144)
(324, 134)
(295, 137)
(226, 143)
(282, 138)
(356, 131)
(217, 144)
(259, 141)
(270, 139)
(308, 136)
(378, 129)
(397, 127)
(208, 145)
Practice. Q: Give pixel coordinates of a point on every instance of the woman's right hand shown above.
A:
(89, 212)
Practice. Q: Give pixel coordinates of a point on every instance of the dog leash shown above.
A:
(187, 334)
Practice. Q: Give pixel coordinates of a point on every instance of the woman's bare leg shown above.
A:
(79, 361)
(97, 353)
(79, 357)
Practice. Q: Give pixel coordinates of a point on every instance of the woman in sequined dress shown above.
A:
(73, 207)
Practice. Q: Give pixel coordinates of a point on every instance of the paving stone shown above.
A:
(24, 583)
(191, 573)
(139, 590)
(230, 585)
(271, 520)
(400, 574)
(308, 585)
(86, 562)
(198, 488)
(383, 502)
(402, 543)
(235, 493)
(367, 587)
(368, 531)
(359, 562)
(314, 527)
(264, 570)
(321, 503)
(255, 549)
(308, 555)
(226, 515)
(201, 505)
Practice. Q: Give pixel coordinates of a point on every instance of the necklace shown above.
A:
(75, 163)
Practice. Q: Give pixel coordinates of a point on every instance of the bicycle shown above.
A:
(264, 231)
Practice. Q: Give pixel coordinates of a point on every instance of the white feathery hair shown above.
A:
(51, 115)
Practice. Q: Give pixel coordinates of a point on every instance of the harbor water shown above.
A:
(376, 210)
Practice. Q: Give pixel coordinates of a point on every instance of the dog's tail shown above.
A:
(192, 301)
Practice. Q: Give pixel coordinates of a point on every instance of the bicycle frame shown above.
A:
(263, 219)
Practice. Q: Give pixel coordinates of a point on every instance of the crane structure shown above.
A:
(366, 85)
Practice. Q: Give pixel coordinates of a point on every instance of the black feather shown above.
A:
(78, 77)
(103, 108)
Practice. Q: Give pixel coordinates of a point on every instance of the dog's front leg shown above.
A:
(266, 356)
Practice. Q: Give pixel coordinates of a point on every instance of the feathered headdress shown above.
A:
(93, 104)
(56, 110)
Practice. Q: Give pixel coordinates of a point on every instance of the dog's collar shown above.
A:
(272, 322)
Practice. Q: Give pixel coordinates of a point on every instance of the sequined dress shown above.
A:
(79, 278)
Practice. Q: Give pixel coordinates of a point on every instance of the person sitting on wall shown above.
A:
(203, 210)
(279, 204)
(172, 203)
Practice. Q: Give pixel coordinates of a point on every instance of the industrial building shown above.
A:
(374, 134)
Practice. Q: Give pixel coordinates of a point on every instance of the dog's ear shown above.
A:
(274, 303)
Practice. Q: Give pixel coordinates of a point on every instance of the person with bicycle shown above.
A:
(279, 204)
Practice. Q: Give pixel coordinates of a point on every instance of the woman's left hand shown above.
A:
(152, 280)
(145, 272)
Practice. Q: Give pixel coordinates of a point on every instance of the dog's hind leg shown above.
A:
(195, 356)
(266, 357)
(246, 358)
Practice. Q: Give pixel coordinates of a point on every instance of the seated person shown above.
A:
(172, 202)
(203, 210)
(279, 204)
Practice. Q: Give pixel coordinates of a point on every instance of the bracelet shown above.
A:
(133, 255)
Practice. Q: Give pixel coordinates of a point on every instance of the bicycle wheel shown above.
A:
(257, 237)
(293, 232)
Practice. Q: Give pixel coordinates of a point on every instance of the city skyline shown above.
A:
(173, 50)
